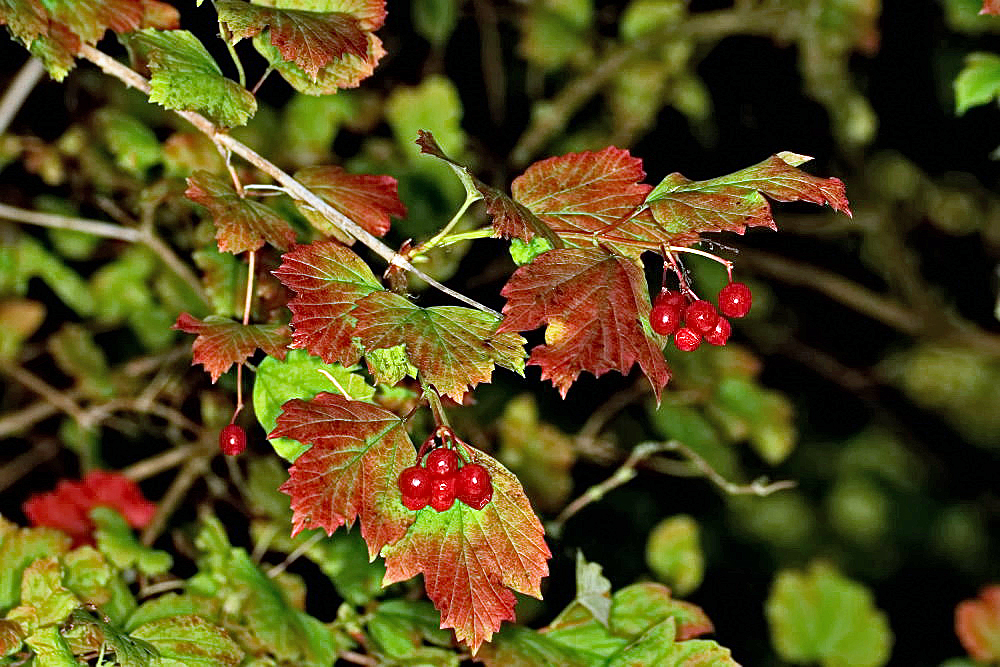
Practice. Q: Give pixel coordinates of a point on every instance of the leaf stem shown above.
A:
(451, 239)
(17, 92)
(436, 240)
(226, 36)
(247, 303)
(128, 76)
(434, 401)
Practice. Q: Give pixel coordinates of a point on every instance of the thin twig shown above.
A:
(45, 390)
(17, 92)
(22, 420)
(295, 555)
(165, 461)
(758, 487)
(175, 494)
(40, 452)
(112, 67)
(358, 658)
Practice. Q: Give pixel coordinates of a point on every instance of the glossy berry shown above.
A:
(665, 318)
(672, 298)
(687, 339)
(720, 334)
(415, 485)
(701, 316)
(442, 493)
(735, 300)
(473, 486)
(442, 463)
(232, 440)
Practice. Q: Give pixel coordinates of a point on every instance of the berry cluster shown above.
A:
(691, 321)
(442, 480)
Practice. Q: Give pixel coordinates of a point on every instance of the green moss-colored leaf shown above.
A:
(31, 260)
(659, 646)
(44, 599)
(19, 547)
(673, 553)
(390, 365)
(434, 106)
(131, 141)
(555, 32)
(186, 78)
(77, 355)
(818, 615)
(190, 641)
(88, 575)
(400, 627)
(164, 606)
(638, 607)
(978, 82)
(117, 542)
(127, 651)
(51, 650)
(310, 124)
(300, 375)
(523, 253)
(434, 20)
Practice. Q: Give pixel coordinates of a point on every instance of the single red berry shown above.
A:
(735, 300)
(720, 334)
(687, 340)
(665, 318)
(232, 440)
(473, 486)
(672, 298)
(415, 485)
(701, 316)
(442, 463)
(442, 493)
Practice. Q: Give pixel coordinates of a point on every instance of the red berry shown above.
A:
(442, 493)
(675, 299)
(687, 340)
(720, 334)
(473, 486)
(442, 463)
(735, 300)
(701, 316)
(415, 485)
(665, 318)
(232, 440)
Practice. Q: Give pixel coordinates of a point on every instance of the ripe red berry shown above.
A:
(442, 493)
(232, 440)
(473, 486)
(687, 340)
(720, 334)
(665, 318)
(701, 316)
(672, 298)
(415, 485)
(442, 463)
(735, 300)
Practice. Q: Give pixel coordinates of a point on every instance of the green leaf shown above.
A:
(434, 106)
(400, 627)
(51, 650)
(44, 600)
(555, 32)
(434, 20)
(818, 615)
(186, 78)
(19, 547)
(117, 542)
(638, 607)
(523, 253)
(190, 641)
(77, 355)
(517, 646)
(128, 651)
(19, 319)
(32, 260)
(310, 124)
(165, 606)
(11, 637)
(659, 646)
(978, 82)
(120, 287)
(593, 590)
(300, 375)
(131, 141)
(673, 553)
(88, 575)
(389, 365)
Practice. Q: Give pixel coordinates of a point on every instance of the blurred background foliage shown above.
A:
(868, 371)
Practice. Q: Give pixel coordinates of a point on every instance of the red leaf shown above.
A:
(469, 558)
(328, 280)
(977, 624)
(990, 7)
(736, 201)
(358, 450)
(310, 39)
(221, 342)
(367, 199)
(240, 224)
(68, 506)
(595, 305)
(453, 348)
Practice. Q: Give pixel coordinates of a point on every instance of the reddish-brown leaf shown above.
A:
(27, 19)
(470, 558)
(221, 342)
(453, 348)
(160, 15)
(977, 624)
(68, 506)
(596, 306)
(736, 201)
(350, 471)
(579, 194)
(240, 224)
(366, 199)
(310, 39)
(990, 7)
(328, 280)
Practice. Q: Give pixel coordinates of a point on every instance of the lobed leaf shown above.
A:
(190, 641)
(345, 72)
(241, 224)
(586, 193)
(595, 305)
(453, 348)
(471, 558)
(367, 199)
(659, 645)
(977, 624)
(186, 78)
(328, 280)
(357, 452)
(221, 342)
(310, 39)
(736, 201)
